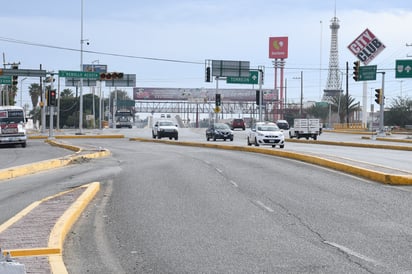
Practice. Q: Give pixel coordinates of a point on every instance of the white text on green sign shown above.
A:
(252, 79)
(403, 69)
(367, 73)
(79, 74)
(5, 80)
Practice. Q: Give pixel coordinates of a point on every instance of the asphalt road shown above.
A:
(36, 150)
(173, 209)
(181, 209)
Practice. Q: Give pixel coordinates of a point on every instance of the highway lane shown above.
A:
(36, 150)
(173, 209)
(394, 159)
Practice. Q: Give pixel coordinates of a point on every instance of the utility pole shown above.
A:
(382, 107)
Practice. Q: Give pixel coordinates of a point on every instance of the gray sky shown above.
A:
(194, 31)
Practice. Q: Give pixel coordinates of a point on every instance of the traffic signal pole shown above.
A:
(381, 132)
(51, 109)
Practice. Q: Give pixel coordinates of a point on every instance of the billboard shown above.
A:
(278, 47)
(366, 47)
(187, 94)
(226, 68)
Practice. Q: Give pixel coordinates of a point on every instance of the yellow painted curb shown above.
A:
(60, 229)
(105, 136)
(319, 142)
(22, 170)
(66, 221)
(377, 176)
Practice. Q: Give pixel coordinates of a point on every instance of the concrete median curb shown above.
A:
(82, 136)
(59, 231)
(380, 146)
(32, 168)
(381, 177)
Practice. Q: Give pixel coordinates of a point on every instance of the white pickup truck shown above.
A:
(305, 128)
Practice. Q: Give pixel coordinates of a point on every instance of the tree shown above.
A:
(339, 105)
(67, 93)
(400, 112)
(35, 93)
(319, 110)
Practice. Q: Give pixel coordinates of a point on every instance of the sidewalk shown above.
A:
(35, 236)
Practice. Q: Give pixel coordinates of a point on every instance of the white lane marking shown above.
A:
(351, 252)
(219, 170)
(234, 183)
(264, 206)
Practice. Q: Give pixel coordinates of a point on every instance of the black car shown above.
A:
(219, 131)
(282, 124)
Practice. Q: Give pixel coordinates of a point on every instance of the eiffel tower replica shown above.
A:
(334, 83)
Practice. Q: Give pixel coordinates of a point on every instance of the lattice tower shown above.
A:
(333, 84)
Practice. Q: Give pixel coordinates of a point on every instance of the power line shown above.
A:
(11, 40)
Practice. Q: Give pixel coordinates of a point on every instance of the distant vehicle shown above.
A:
(124, 118)
(165, 128)
(266, 134)
(282, 124)
(12, 123)
(238, 123)
(219, 131)
(305, 128)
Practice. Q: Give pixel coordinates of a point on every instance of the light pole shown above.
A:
(81, 69)
(21, 91)
(301, 93)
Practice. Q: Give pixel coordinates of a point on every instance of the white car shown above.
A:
(165, 128)
(266, 134)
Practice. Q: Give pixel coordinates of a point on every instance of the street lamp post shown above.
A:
(21, 91)
(301, 93)
(81, 69)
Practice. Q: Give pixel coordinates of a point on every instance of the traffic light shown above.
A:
(208, 79)
(218, 100)
(257, 97)
(51, 98)
(378, 96)
(356, 66)
(14, 80)
(111, 76)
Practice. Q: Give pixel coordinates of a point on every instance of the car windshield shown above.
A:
(166, 123)
(221, 126)
(267, 128)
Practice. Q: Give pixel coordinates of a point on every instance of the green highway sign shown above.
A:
(79, 74)
(5, 80)
(403, 69)
(367, 73)
(252, 79)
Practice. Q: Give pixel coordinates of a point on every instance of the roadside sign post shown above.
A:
(367, 73)
(5, 80)
(381, 132)
(79, 74)
(366, 47)
(403, 69)
(252, 79)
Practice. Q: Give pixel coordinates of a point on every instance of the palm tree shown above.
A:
(35, 93)
(67, 93)
(339, 105)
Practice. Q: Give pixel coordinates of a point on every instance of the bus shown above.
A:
(13, 126)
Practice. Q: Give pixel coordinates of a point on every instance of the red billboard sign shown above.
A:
(366, 46)
(278, 47)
